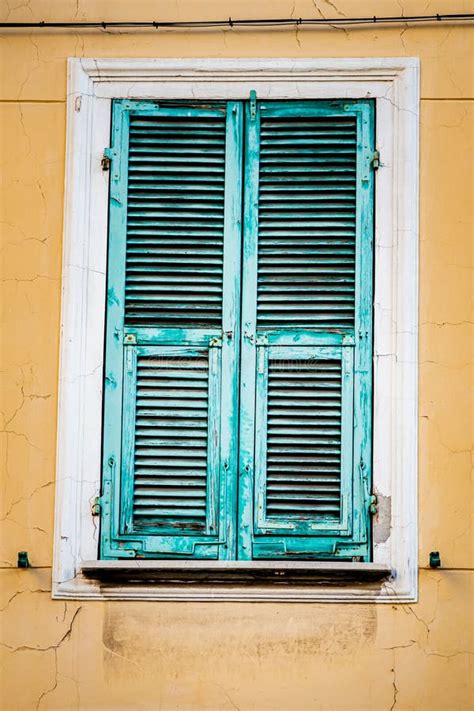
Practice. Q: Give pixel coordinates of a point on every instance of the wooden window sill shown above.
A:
(192, 573)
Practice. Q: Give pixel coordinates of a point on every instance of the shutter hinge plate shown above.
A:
(375, 162)
(108, 156)
(373, 505)
(106, 159)
(253, 104)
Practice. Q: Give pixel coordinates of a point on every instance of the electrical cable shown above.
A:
(236, 23)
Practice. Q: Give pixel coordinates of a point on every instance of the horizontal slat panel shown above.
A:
(303, 475)
(175, 221)
(307, 223)
(171, 435)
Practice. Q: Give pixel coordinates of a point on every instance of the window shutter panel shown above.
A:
(307, 345)
(172, 332)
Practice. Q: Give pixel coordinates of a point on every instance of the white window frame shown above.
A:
(92, 84)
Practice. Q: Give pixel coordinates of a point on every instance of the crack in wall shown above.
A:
(324, 17)
(22, 592)
(25, 498)
(440, 324)
(17, 243)
(31, 279)
(331, 4)
(298, 42)
(395, 689)
(228, 696)
(64, 638)
(55, 682)
(443, 444)
(22, 124)
(18, 7)
(120, 656)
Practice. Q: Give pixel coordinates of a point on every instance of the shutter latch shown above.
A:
(253, 104)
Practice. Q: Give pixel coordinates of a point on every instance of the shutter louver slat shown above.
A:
(306, 223)
(175, 221)
(304, 439)
(171, 434)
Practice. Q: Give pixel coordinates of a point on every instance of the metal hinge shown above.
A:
(253, 104)
(106, 159)
(373, 504)
(375, 162)
(95, 507)
(109, 155)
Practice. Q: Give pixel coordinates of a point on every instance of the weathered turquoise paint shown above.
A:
(231, 329)
(363, 369)
(249, 335)
(124, 344)
(236, 523)
(302, 337)
(172, 336)
(114, 358)
(166, 533)
(281, 525)
(276, 536)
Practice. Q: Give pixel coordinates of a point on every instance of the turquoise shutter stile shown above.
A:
(238, 354)
(173, 291)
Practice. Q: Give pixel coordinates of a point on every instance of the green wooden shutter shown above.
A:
(306, 416)
(172, 334)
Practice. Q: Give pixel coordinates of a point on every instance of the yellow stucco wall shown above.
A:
(114, 655)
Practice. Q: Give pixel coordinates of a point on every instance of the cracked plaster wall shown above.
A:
(57, 655)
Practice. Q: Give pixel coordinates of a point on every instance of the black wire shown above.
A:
(231, 22)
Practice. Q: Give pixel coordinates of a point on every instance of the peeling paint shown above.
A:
(383, 518)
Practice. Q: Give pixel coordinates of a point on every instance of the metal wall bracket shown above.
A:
(23, 561)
